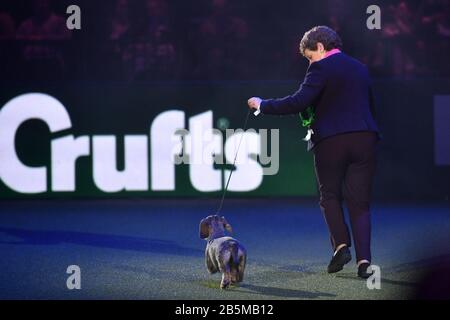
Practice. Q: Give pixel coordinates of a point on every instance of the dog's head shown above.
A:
(214, 225)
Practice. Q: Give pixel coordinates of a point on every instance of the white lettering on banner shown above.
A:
(201, 171)
(249, 174)
(135, 175)
(170, 144)
(65, 152)
(165, 145)
(15, 174)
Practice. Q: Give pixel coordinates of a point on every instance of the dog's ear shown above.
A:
(226, 225)
(204, 228)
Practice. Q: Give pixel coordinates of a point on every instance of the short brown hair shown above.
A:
(323, 34)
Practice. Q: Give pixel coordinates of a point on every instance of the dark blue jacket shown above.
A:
(339, 89)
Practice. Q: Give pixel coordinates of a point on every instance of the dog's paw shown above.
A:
(224, 285)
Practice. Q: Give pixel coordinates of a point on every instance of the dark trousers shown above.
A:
(345, 167)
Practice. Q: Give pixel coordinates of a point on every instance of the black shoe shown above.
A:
(362, 270)
(338, 261)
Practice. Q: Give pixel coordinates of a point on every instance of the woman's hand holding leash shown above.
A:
(254, 103)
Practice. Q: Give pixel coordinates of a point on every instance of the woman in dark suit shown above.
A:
(344, 140)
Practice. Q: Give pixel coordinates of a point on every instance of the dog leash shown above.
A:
(234, 161)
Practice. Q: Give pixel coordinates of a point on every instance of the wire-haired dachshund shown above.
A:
(223, 253)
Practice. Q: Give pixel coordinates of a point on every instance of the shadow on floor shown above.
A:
(46, 238)
(383, 280)
(420, 264)
(417, 267)
(284, 293)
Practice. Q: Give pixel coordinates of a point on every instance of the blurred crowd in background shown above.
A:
(176, 40)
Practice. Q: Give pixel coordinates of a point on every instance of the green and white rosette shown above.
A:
(306, 120)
